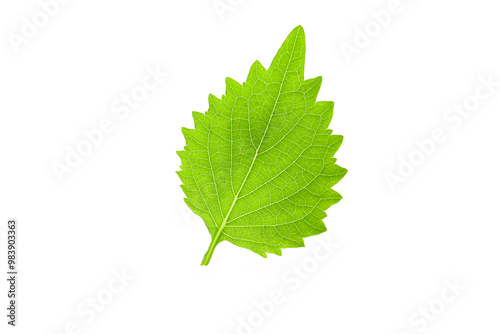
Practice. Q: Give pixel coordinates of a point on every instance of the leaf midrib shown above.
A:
(221, 228)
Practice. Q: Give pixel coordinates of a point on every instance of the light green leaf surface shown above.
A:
(258, 167)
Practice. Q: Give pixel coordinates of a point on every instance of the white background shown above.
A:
(122, 206)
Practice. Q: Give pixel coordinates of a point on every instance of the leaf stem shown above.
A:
(215, 240)
(210, 251)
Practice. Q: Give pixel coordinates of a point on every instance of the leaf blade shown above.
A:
(259, 167)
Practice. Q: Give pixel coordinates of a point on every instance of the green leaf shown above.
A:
(258, 167)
